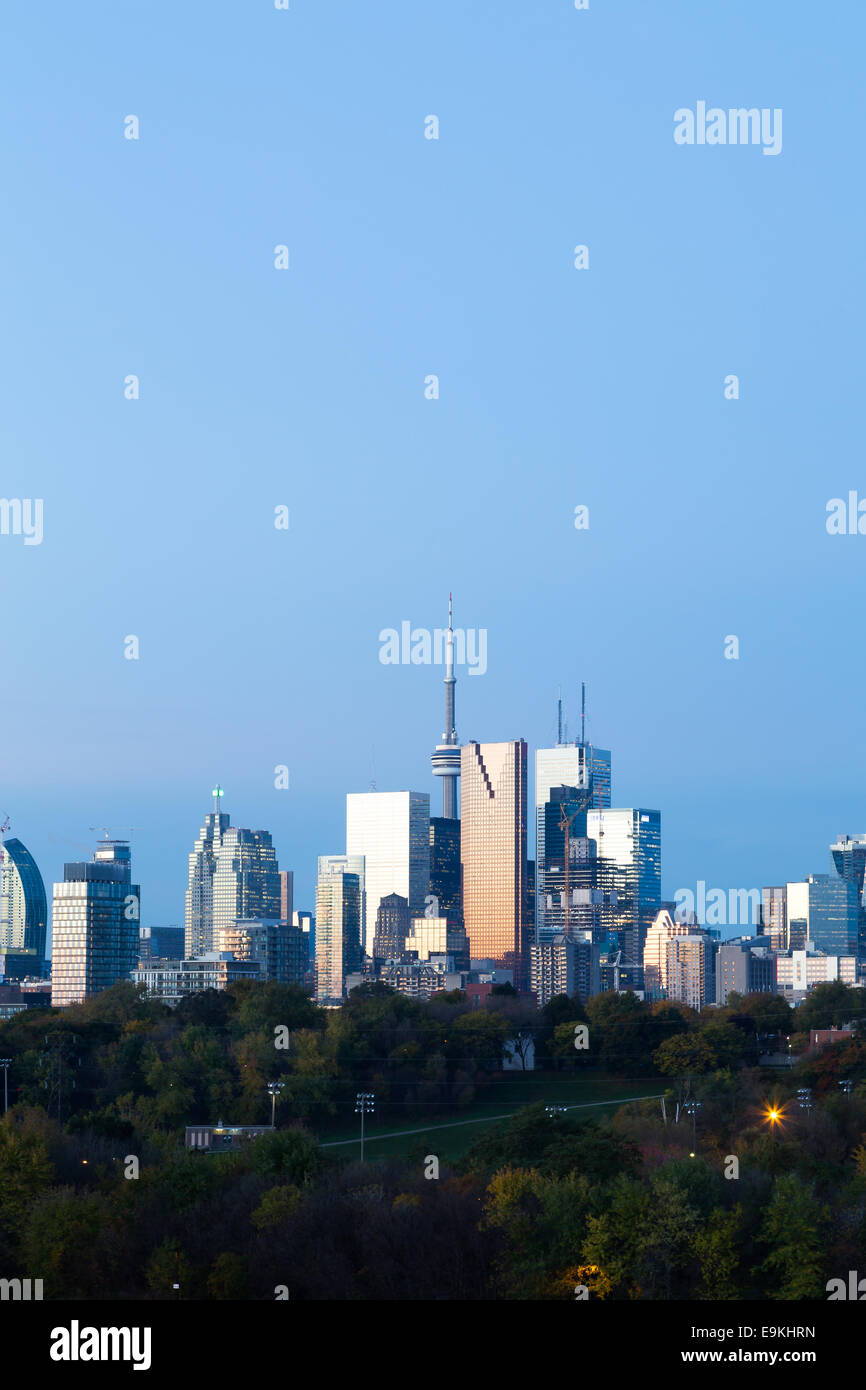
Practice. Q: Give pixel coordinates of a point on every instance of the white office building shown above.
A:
(391, 830)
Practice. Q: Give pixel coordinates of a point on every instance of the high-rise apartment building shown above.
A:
(279, 947)
(23, 913)
(655, 952)
(339, 898)
(95, 925)
(493, 852)
(564, 965)
(691, 976)
(773, 920)
(391, 831)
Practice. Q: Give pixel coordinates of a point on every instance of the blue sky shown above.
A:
(305, 388)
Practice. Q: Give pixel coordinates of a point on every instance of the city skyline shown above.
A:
(697, 503)
(555, 753)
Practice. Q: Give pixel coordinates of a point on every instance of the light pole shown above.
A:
(804, 1098)
(365, 1104)
(554, 1110)
(844, 1086)
(5, 1063)
(274, 1088)
(692, 1108)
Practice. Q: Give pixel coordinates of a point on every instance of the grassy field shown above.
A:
(451, 1132)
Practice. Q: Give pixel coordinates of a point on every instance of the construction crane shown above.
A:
(107, 829)
(629, 965)
(565, 822)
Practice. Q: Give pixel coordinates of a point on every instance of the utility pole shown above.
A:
(5, 1063)
(59, 1050)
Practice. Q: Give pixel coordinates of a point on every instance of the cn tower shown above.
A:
(446, 755)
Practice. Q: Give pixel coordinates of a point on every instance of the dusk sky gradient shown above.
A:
(306, 388)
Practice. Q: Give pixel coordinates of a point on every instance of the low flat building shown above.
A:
(799, 971)
(172, 980)
(221, 1138)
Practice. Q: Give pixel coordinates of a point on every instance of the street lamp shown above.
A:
(5, 1063)
(554, 1110)
(365, 1104)
(845, 1087)
(274, 1088)
(804, 1098)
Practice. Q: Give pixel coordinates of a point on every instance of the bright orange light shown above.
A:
(773, 1114)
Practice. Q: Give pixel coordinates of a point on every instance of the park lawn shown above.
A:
(505, 1094)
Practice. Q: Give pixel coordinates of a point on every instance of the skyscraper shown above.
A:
(445, 867)
(23, 913)
(287, 889)
(580, 765)
(199, 894)
(849, 859)
(823, 910)
(391, 830)
(246, 880)
(95, 925)
(631, 838)
(691, 973)
(493, 852)
(338, 924)
(655, 952)
(392, 928)
(773, 922)
(446, 755)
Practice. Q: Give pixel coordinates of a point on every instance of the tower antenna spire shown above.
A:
(583, 712)
(559, 718)
(446, 756)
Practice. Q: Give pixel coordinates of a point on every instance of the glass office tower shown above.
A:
(579, 765)
(824, 909)
(631, 838)
(849, 859)
(246, 881)
(493, 852)
(445, 867)
(391, 830)
(23, 912)
(95, 925)
(392, 928)
(199, 936)
(577, 892)
(339, 918)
